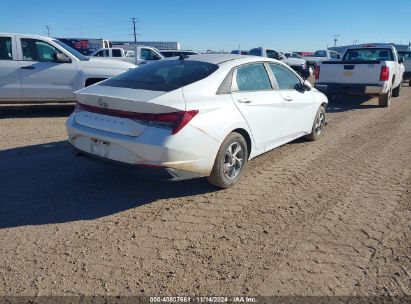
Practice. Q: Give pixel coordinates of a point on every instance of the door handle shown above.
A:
(244, 100)
(288, 98)
(28, 67)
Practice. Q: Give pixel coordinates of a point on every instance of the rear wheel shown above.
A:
(318, 125)
(230, 161)
(396, 92)
(385, 99)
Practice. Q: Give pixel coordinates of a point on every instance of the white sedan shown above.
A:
(199, 115)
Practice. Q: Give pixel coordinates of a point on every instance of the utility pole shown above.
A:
(48, 29)
(135, 20)
(336, 39)
(354, 42)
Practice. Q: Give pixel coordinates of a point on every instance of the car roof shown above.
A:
(372, 45)
(168, 50)
(25, 35)
(227, 60)
(221, 58)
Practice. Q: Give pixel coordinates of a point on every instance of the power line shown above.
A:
(48, 29)
(135, 20)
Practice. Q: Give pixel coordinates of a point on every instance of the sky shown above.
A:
(296, 25)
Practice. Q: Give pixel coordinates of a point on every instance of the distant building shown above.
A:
(341, 49)
(161, 45)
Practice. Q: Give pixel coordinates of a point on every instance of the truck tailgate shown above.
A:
(366, 72)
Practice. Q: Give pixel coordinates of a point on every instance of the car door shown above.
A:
(10, 86)
(299, 108)
(260, 104)
(43, 78)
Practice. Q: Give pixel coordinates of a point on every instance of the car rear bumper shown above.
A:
(349, 89)
(152, 172)
(156, 153)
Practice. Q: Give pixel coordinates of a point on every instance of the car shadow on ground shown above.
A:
(46, 184)
(347, 103)
(36, 110)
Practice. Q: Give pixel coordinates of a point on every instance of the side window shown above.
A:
(37, 50)
(5, 49)
(272, 54)
(286, 79)
(100, 53)
(253, 77)
(333, 55)
(116, 53)
(148, 54)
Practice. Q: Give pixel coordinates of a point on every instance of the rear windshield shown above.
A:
(368, 54)
(163, 75)
(320, 54)
(256, 52)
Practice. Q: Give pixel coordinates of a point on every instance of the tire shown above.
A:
(318, 125)
(228, 170)
(396, 92)
(384, 100)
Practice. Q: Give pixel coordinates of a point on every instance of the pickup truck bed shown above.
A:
(346, 78)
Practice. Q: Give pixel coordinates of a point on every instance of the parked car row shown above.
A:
(406, 57)
(190, 115)
(145, 54)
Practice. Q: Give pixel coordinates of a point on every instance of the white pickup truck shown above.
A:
(363, 70)
(145, 54)
(43, 69)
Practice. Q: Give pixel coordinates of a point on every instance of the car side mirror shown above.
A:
(62, 58)
(306, 86)
(401, 60)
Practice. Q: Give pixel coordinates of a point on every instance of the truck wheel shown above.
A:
(385, 99)
(396, 92)
(230, 161)
(318, 125)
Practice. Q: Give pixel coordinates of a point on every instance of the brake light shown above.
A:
(174, 121)
(385, 73)
(317, 72)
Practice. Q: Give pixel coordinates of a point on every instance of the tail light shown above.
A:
(174, 121)
(317, 72)
(385, 73)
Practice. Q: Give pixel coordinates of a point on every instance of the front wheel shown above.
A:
(230, 161)
(318, 125)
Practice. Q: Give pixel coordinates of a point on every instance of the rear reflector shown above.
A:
(174, 121)
(317, 72)
(385, 73)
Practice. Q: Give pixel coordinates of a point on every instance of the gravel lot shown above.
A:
(331, 217)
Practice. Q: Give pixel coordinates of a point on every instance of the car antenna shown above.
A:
(182, 56)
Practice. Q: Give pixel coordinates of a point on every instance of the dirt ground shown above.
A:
(331, 217)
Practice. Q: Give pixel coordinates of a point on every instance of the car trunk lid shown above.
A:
(123, 110)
